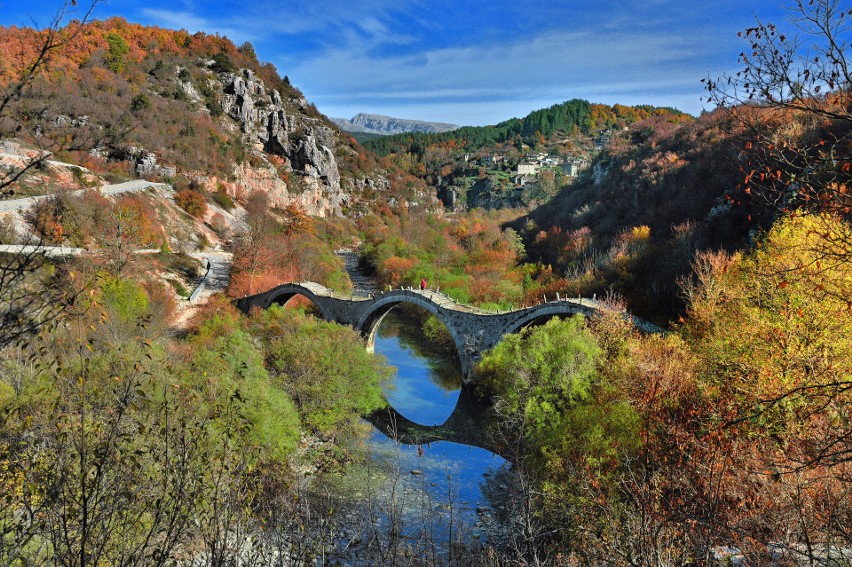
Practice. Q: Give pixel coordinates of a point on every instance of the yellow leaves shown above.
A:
(641, 232)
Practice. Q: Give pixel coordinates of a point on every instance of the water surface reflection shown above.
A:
(426, 390)
(428, 379)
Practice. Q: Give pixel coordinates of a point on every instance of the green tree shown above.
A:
(565, 425)
(547, 379)
(118, 48)
(227, 363)
(325, 368)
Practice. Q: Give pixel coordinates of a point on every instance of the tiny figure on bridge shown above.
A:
(422, 283)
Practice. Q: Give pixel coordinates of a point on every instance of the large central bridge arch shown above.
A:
(371, 317)
(474, 330)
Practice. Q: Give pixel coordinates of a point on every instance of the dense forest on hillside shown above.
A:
(138, 427)
(568, 117)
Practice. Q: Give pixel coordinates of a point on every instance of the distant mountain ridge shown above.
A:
(387, 125)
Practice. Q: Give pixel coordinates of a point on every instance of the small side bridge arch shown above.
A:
(284, 293)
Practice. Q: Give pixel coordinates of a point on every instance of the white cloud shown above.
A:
(191, 22)
(365, 57)
(177, 19)
(551, 66)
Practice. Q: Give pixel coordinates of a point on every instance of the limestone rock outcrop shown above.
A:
(485, 194)
(305, 143)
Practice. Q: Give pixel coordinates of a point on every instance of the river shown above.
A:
(425, 389)
(431, 494)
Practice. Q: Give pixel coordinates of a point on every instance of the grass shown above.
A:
(178, 287)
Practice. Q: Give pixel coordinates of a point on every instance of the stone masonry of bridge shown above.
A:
(474, 330)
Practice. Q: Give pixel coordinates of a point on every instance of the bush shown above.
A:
(223, 200)
(192, 202)
(324, 368)
(222, 64)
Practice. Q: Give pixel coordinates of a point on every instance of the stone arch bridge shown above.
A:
(474, 330)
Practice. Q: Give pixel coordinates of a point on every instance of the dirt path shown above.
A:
(362, 283)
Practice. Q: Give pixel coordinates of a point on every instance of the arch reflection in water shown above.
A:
(426, 386)
(441, 465)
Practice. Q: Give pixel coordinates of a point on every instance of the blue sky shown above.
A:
(472, 62)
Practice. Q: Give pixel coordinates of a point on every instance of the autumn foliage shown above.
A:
(192, 202)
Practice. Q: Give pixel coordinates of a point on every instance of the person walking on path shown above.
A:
(422, 283)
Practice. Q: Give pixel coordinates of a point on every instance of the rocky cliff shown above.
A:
(304, 143)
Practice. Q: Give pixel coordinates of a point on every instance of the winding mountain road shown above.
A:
(108, 190)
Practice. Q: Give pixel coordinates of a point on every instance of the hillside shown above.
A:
(222, 154)
(363, 123)
(633, 221)
(134, 101)
(519, 162)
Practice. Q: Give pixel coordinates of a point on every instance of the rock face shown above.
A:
(304, 143)
(387, 125)
(485, 194)
(145, 162)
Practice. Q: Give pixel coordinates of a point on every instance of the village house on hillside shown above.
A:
(573, 166)
(528, 169)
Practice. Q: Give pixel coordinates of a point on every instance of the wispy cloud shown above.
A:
(191, 21)
(552, 64)
(177, 19)
(469, 59)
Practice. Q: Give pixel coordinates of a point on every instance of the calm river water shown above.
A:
(429, 494)
(432, 493)
(425, 390)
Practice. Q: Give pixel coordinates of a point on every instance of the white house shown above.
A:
(528, 168)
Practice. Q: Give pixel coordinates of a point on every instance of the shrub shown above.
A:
(192, 202)
(140, 103)
(219, 224)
